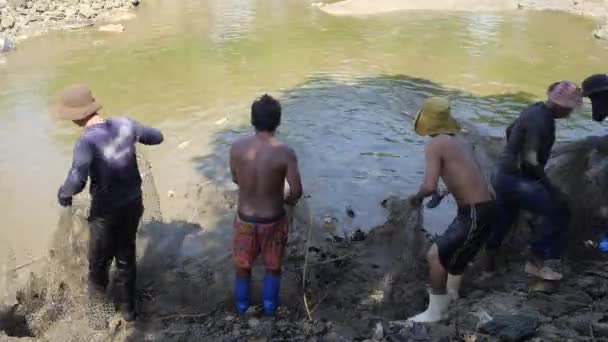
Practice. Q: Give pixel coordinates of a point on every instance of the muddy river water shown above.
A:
(193, 68)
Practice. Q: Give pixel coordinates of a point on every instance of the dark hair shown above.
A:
(552, 86)
(266, 114)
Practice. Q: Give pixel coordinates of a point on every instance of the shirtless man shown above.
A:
(451, 158)
(260, 164)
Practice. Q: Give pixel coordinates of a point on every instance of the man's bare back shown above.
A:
(452, 159)
(260, 165)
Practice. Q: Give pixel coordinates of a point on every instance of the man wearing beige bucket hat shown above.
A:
(106, 154)
(451, 158)
(521, 182)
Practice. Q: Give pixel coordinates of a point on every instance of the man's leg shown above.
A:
(445, 254)
(244, 251)
(126, 262)
(273, 241)
(506, 214)
(438, 275)
(551, 224)
(100, 255)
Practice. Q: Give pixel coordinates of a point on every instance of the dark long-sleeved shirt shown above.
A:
(106, 153)
(530, 139)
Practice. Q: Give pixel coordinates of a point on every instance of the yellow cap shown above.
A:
(435, 118)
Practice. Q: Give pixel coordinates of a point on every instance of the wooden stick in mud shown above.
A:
(347, 256)
(29, 263)
(307, 253)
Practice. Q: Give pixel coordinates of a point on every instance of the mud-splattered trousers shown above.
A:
(113, 235)
(551, 218)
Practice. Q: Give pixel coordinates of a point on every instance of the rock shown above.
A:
(3, 4)
(350, 212)
(6, 44)
(183, 145)
(97, 6)
(42, 7)
(7, 22)
(319, 328)
(135, 2)
(70, 12)
(511, 327)
(253, 322)
(601, 32)
(17, 3)
(117, 28)
(559, 304)
(378, 332)
(86, 11)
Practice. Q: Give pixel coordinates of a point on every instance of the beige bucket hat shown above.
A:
(435, 118)
(76, 103)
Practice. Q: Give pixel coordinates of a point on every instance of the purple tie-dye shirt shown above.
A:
(106, 153)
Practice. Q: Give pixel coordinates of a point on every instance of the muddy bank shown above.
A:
(22, 18)
(592, 8)
(354, 289)
(357, 290)
(370, 7)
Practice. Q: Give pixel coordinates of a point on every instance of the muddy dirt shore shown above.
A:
(593, 8)
(361, 289)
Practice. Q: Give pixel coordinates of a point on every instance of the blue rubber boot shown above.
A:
(242, 290)
(272, 287)
(603, 246)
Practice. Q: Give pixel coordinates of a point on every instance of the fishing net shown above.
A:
(580, 169)
(53, 304)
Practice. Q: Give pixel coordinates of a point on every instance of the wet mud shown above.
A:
(357, 288)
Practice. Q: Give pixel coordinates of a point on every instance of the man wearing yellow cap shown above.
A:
(451, 158)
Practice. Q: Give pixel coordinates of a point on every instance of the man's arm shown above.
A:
(293, 178)
(432, 156)
(147, 135)
(77, 177)
(530, 163)
(233, 165)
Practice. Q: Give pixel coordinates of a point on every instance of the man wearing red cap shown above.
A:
(521, 182)
(106, 154)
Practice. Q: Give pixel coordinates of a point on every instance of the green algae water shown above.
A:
(193, 67)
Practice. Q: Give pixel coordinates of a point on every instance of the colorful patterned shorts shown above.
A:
(266, 239)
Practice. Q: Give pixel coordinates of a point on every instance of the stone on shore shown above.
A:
(6, 44)
(112, 28)
(511, 327)
(7, 22)
(601, 32)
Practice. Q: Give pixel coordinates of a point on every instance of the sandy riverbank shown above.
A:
(592, 8)
(595, 8)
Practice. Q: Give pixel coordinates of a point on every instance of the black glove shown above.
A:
(64, 201)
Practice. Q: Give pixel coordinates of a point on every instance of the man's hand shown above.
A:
(415, 201)
(436, 199)
(64, 201)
